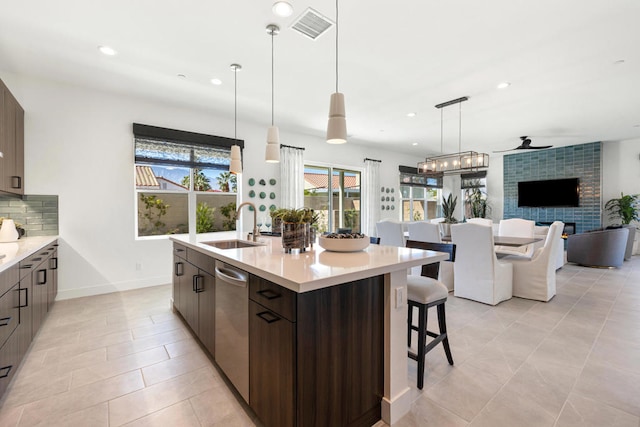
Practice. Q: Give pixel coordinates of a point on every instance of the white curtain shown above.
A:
(371, 193)
(292, 176)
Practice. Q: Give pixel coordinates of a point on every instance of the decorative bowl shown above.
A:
(343, 245)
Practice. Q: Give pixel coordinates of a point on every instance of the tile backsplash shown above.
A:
(38, 215)
(582, 161)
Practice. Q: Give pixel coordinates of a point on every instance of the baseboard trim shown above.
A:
(108, 288)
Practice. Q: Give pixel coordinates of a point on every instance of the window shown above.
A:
(474, 194)
(335, 200)
(420, 194)
(178, 173)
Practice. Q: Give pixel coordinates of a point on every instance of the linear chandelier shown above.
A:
(460, 162)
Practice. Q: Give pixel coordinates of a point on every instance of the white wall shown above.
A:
(620, 170)
(79, 145)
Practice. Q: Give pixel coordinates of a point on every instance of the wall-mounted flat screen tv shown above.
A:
(549, 193)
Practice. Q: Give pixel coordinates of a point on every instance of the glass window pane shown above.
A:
(154, 177)
(215, 180)
(162, 213)
(405, 191)
(418, 210)
(215, 212)
(406, 210)
(418, 192)
(316, 195)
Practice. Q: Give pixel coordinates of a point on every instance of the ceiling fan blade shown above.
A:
(504, 151)
(539, 148)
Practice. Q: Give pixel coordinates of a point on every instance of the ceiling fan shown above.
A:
(526, 145)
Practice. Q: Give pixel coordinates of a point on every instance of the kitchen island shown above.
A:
(327, 330)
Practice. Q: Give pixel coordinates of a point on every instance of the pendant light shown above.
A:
(273, 134)
(236, 159)
(337, 126)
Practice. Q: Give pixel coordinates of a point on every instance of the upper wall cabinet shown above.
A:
(11, 143)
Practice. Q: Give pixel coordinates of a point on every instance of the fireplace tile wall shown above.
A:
(582, 161)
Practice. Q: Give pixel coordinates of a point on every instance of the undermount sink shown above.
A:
(232, 244)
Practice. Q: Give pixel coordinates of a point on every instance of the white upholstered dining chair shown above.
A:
(516, 227)
(480, 221)
(478, 275)
(425, 231)
(390, 233)
(535, 277)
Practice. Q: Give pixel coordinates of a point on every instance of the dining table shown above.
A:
(507, 240)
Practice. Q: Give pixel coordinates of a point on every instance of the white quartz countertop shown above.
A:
(312, 269)
(14, 252)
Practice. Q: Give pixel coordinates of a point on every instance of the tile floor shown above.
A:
(126, 359)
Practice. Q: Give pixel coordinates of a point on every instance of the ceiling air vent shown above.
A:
(312, 24)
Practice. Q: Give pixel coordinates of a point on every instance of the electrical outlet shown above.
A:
(400, 298)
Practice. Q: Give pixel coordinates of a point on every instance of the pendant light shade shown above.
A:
(337, 126)
(272, 153)
(235, 166)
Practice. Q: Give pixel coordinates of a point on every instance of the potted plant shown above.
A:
(478, 204)
(448, 208)
(296, 227)
(624, 208)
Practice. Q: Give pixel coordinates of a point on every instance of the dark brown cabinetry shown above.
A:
(27, 292)
(11, 142)
(9, 322)
(194, 292)
(316, 358)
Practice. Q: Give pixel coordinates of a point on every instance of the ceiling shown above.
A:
(573, 65)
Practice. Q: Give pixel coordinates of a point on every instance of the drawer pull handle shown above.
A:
(16, 181)
(179, 250)
(268, 316)
(4, 372)
(43, 280)
(179, 270)
(5, 321)
(26, 302)
(37, 259)
(197, 281)
(26, 266)
(53, 263)
(269, 294)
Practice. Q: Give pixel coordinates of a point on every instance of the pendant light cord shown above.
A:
(441, 132)
(272, 73)
(337, 46)
(460, 128)
(235, 103)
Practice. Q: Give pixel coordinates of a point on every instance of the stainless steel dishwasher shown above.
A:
(232, 325)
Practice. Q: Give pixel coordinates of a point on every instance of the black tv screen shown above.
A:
(549, 193)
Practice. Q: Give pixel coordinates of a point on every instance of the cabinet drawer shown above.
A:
(9, 361)
(8, 278)
(180, 251)
(274, 297)
(202, 261)
(9, 312)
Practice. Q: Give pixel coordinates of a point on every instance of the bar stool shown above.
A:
(426, 291)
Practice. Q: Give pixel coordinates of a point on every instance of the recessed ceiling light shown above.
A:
(216, 82)
(414, 144)
(107, 50)
(503, 85)
(282, 8)
(412, 114)
(181, 76)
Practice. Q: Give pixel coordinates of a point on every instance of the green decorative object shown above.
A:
(272, 195)
(624, 209)
(251, 208)
(252, 193)
(263, 194)
(272, 208)
(263, 208)
(252, 181)
(263, 182)
(272, 181)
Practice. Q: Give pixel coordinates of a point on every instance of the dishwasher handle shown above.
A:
(233, 277)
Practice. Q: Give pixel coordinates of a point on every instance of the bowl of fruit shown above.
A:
(343, 242)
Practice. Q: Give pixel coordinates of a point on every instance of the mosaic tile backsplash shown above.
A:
(38, 215)
(582, 161)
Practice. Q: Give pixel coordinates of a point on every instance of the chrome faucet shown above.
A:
(256, 232)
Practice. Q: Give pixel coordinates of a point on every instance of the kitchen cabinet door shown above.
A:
(188, 297)
(271, 366)
(40, 295)
(205, 288)
(11, 143)
(52, 276)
